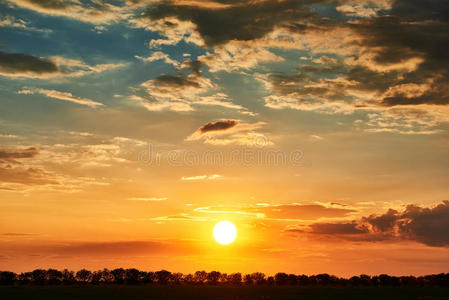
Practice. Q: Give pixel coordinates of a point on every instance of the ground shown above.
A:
(222, 293)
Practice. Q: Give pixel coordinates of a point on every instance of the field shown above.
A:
(220, 292)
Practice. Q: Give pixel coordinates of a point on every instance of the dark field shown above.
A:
(211, 292)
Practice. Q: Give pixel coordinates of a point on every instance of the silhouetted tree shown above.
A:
(365, 280)
(106, 276)
(386, 280)
(292, 279)
(83, 276)
(176, 278)
(162, 277)
(223, 278)
(247, 279)
(7, 277)
(302, 280)
(53, 276)
(189, 279)
(119, 275)
(200, 277)
(281, 278)
(258, 278)
(148, 277)
(213, 277)
(134, 276)
(68, 277)
(326, 279)
(235, 278)
(24, 278)
(39, 276)
(96, 277)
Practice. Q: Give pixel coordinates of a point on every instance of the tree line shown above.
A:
(134, 276)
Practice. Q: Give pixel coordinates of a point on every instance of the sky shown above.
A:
(318, 127)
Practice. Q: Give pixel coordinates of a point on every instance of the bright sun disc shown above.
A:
(225, 232)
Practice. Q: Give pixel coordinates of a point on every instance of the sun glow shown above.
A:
(225, 232)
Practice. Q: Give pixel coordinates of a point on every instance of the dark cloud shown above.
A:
(341, 228)
(53, 4)
(6, 154)
(193, 65)
(218, 126)
(244, 20)
(424, 225)
(412, 29)
(26, 175)
(177, 81)
(16, 63)
(12, 169)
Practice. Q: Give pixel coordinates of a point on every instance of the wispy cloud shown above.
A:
(158, 55)
(65, 96)
(201, 177)
(12, 22)
(147, 199)
(8, 136)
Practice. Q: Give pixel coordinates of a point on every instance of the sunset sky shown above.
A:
(319, 128)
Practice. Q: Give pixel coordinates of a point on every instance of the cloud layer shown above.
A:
(415, 223)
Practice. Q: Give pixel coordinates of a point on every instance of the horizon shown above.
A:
(318, 129)
(204, 276)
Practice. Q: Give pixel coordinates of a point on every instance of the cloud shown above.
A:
(280, 212)
(17, 234)
(27, 170)
(201, 177)
(424, 225)
(25, 175)
(363, 8)
(236, 55)
(159, 56)
(414, 33)
(86, 249)
(11, 155)
(304, 211)
(184, 92)
(147, 199)
(241, 20)
(13, 170)
(340, 228)
(357, 63)
(227, 132)
(218, 125)
(8, 136)
(12, 22)
(174, 92)
(17, 65)
(65, 96)
(92, 12)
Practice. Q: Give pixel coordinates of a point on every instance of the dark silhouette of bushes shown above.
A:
(164, 277)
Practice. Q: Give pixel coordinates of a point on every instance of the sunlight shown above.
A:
(225, 232)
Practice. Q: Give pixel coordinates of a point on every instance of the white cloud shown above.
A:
(202, 177)
(147, 199)
(65, 96)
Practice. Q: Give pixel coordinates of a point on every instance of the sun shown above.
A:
(225, 232)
